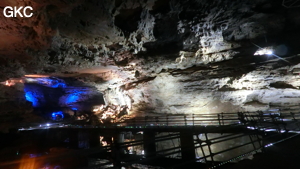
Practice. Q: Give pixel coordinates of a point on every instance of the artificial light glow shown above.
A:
(27, 163)
(57, 115)
(112, 113)
(47, 81)
(130, 149)
(74, 95)
(12, 81)
(32, 97)
(36, 76)
(8, 83)
(73, 98)
(264, 51)
(99, 108)
(268, 145)
(269, 52)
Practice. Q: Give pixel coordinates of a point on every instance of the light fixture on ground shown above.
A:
(265, 51)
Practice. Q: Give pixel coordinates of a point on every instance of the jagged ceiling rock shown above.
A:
(166, 56)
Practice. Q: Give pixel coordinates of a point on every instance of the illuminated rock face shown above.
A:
(163, 56)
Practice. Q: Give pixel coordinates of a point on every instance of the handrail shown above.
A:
(255, 119)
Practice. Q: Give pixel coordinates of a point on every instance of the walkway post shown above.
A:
(187, 146)
(193, 119)
(167, 118)
(117, 150)
(73, 139)
(94, 138)
(149, 144)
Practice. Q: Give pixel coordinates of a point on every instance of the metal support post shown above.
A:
(187, 146)
(149, 143)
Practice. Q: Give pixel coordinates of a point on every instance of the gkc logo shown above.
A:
(10, 12)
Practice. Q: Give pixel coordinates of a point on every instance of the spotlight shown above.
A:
(269, 52)
(264, 51)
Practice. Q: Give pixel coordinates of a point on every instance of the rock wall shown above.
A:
(162, 56)
(14, 109)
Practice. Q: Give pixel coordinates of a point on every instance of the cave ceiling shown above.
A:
(161, 56)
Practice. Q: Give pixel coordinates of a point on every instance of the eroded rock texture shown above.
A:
(162, 56)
